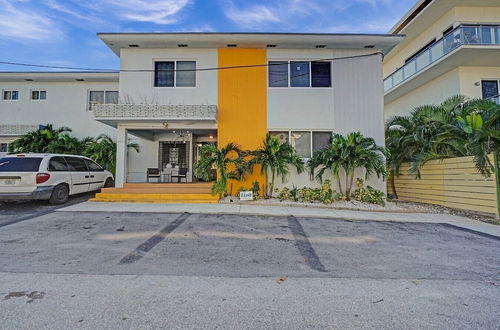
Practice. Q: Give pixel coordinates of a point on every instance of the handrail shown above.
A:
(464, 34)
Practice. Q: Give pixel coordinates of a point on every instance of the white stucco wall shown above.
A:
(138, 87)
(434, 92)
(66, 105)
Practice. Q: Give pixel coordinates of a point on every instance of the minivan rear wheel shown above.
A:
(60, 194)
(109, 183)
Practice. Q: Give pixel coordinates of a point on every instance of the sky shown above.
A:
(63, 32)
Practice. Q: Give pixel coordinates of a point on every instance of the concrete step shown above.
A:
(170, 185)
(155, 198)
(158, 190)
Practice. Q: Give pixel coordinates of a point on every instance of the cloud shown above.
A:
(21, 23)
(250, 16)
(154, 11)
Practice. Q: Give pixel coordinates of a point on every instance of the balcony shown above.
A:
(112, 113)
(463, 35)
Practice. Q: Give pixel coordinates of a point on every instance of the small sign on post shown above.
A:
(246, 195)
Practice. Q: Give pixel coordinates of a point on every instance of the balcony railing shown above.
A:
(462, 35)
(154, 111)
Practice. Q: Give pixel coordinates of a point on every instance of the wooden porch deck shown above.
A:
(199, 192)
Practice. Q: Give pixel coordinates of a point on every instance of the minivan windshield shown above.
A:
(20, 164)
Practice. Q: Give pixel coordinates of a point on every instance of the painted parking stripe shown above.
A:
(304, 246)
(154, 240)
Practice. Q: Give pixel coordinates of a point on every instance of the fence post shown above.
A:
(496, 162)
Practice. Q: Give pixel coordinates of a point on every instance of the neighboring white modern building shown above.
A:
(451, 47)
(177, 91)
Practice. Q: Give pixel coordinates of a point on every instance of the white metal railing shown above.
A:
(154, 111)
(495, 99)
(462, 35)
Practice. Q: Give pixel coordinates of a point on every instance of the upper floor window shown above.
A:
(102, 97)
(175, 74)
(4, 147)
(38, 95)
(300, 74)
(10, 95)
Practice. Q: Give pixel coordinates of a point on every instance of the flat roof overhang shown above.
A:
(382, 42)
(466, 55)
(66, 76)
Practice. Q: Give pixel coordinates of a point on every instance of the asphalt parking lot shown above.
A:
(243, 246)
(118, 270)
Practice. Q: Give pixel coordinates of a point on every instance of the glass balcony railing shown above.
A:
(462, 35)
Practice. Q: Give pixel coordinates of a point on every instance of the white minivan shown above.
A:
(49, 177)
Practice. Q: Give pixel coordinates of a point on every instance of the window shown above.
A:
(38, 95)
(10, 95)
(320, 74)
(301, 74)
(20, 164)
(102, 97)
(301, 141)
(4, 147)
(93, 167)
(278, 74)
(283, 136)
(304, 142)
(178, 74)
(489, 88)
(76, 164)
(321, 140)
(57, 164)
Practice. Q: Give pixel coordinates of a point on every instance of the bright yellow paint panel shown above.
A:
(242, 108)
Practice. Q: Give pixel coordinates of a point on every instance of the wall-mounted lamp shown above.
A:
(477, 83)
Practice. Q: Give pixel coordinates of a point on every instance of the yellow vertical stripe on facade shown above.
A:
(242, 108)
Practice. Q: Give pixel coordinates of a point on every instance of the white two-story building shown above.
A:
(177, 91)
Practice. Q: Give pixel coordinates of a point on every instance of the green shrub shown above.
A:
(368, 194)
(285, 195)
(308, 195)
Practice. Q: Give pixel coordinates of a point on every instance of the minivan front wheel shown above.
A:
(60, 194)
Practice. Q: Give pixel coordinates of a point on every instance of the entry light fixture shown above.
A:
(271, 46)
(28, 79)
(133, 45)
(80, 79)
(182, 45)
(232, 45)
(211, 137)
(320, 46)
(369, 46)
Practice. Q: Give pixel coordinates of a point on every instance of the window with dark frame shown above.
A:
(489, 88)
(299, 74)
(4, 147)
(38, 95)
(175, 74)
(10, 95)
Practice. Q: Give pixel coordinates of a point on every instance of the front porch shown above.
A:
(159, 193)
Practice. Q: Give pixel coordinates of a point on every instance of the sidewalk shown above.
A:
(453, 220)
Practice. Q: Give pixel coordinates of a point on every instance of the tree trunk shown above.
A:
(271, 187)
(349, 181)
(393, 186)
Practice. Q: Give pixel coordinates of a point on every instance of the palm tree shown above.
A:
(457, 127)
(275, 157)
(46, 139)
(103, 151)
(349, 153)
(228, 162)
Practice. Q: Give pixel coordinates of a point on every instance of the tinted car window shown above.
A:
(57, 164)
(76, 164)
(93, 167)
(19, 164)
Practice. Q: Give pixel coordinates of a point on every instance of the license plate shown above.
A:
(9, 182)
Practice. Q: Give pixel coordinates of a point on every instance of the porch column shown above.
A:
(190, 164)
(121, 156)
